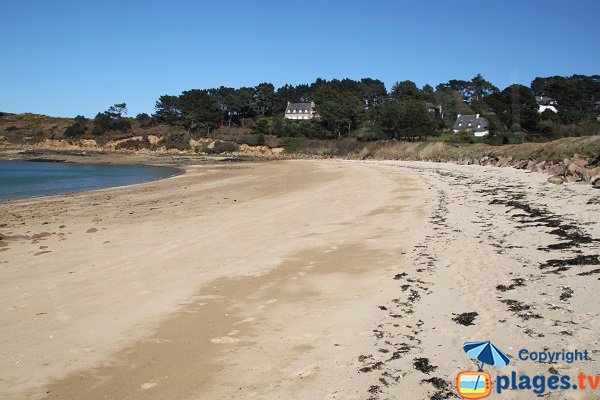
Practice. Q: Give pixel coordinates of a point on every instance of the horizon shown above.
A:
(67, 59)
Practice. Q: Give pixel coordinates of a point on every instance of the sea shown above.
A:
(24, 179)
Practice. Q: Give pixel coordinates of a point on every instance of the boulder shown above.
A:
(576, 170)
(539, 167)
(580, 162)
(522, 164)
(595, 181)
(556, 169)
(556, 179)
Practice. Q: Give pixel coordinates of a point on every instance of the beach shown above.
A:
(296, 279)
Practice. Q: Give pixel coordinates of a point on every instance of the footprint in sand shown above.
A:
(91, 230)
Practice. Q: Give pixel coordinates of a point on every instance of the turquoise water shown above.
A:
(22, 179)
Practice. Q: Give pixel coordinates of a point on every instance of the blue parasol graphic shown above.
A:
(486, 353)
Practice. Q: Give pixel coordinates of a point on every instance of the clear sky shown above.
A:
(65, 58)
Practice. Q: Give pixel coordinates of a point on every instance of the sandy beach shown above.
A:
(298, 279)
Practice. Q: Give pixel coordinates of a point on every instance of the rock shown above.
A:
(577, 173)
(531, 164)
(595, 181)
(573, 178)
(539, 167)
(557, 169)
(522, 164)
(580, 162)
(556, 179)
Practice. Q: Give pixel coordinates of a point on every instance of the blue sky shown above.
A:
(65, 58)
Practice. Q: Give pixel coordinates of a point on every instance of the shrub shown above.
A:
(222, 147)
(145, 120)
(132, 144)
(177, 141)
(78, 127)
(290, 145)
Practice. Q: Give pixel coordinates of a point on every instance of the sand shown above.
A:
(295, 280)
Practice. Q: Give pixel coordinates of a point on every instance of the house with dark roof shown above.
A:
(300, 110)
(472, 123)
(546, 103)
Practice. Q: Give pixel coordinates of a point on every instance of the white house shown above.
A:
(300, 110)
(546, 103)
(472, 123)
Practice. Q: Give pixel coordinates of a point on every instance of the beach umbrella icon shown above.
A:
(486, 353)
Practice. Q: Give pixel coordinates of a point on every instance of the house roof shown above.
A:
(545, 101)
(473, 123)
(299, 107)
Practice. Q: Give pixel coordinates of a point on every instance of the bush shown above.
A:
(11, 128)
(145, 120)
(78, 127)
(290, 145)
(136, 145)
(75, 130)
(465, 137)
(177, 141)
(222, 147)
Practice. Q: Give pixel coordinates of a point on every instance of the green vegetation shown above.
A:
(351, 116)
(365, 110)
(112, 120)
(77, 128)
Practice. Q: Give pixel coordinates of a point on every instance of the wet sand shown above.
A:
(293, 279)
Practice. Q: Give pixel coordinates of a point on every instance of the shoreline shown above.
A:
(176, 171)
(216, 270)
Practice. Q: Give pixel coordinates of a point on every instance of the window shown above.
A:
(460, 124)
(294, 111)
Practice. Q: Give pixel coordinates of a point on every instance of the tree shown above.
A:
(406, 90)
(264, 98)
(199, 109)
(116, 111)
(516, 107)
(474, 90)
(339, 111)
(373, 92)
(406, 118)
(576, 95)
(145, 120)
(111, 120)
(77, 128)
(168, 110)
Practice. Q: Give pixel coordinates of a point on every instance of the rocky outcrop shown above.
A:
(568, 170)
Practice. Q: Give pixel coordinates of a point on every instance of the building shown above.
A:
(300, 110)
(472, 123)
(436, 110)
(546, 103)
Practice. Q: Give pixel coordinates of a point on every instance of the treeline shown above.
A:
(367, 110)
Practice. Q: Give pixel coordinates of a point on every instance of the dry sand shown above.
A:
(295, 280)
